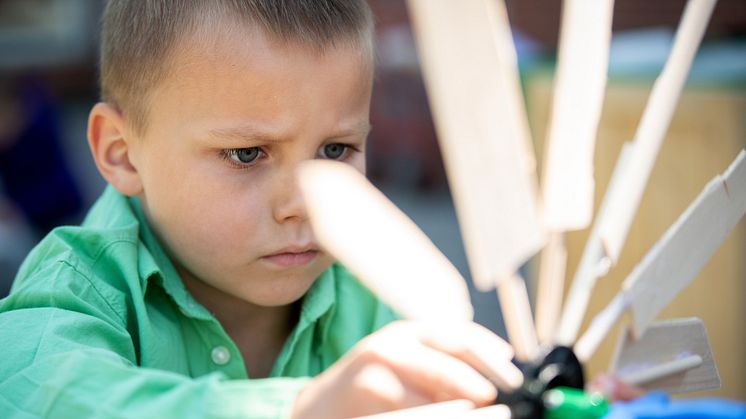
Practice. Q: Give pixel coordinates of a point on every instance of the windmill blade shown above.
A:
(621, 202)
(673, 356)
(357, 224)
(568, 167)
(676, 259)
(682, 252)
(593, 264)
(470, 68)
(653, 126)
(578, 97)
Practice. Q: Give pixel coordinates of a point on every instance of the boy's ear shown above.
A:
(112, 148)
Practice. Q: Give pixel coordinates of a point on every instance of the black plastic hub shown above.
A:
(559, 368)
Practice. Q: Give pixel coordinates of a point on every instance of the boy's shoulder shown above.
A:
(101, 256)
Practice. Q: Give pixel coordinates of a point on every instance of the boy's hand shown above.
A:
(407, 364)
(613, 388)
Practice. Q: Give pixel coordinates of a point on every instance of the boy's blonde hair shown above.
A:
(138, 37)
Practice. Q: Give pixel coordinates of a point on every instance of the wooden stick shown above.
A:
(357, 224)
(568, 167)
(593, 263)
(659, 371)
(600, 326)
(469, 66)
(654, 124)
(621, 202)
(551, 287)
(666, 343)
(676, 259)
(578, 97)
(513, 298)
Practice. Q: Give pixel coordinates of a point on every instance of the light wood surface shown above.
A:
(470, 70)
(622, 204)
(672, 355)
(357, 224)
(706, 132)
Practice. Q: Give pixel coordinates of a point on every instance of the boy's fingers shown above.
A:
(441, 377)
(480, 348)
(385, 390)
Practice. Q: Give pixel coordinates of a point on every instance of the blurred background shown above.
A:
(47, 178)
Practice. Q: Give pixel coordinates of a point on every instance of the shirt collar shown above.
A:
(155, 265)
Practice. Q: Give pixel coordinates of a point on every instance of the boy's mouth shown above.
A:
(293, 256)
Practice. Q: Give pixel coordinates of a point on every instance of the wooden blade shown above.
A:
(593, 264)
(621, 201)
(516, 311)
(578, 97)
(674, 356)
(653, 126)
(357, 224)
(676, 259)
(568, 166)
(551, 286)
(470, 70)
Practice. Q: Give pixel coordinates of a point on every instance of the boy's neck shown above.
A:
(259, 332)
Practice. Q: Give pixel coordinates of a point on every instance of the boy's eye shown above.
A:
(334, 151)
(244, 155)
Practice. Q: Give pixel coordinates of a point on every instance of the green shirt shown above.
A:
(98, 323)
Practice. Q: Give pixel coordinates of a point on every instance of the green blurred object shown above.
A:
(571, 403)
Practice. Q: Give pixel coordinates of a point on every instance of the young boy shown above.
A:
(194, 287)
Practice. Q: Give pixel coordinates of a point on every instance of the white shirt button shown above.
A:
(220, 355)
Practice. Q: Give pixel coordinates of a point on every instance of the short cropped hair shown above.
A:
(138, 37)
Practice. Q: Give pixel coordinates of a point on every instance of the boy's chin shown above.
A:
(278, 294)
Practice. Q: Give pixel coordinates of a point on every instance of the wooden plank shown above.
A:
(653, 126)
(578, 96)
(663, 370)
(516, 311)
(676, 259)
(667, 344)
(568, 168)
(586, 346)
(469, 65)
(357, 224)
(551, 287)
(621, 202)
(593, 263)
(687, 245)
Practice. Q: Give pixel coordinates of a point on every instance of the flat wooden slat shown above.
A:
(666, 343)
(653, 126)
(580, 82)
(363, 229)
(676, 259)
(469, 65)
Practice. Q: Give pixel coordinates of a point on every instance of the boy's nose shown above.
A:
(288, 203)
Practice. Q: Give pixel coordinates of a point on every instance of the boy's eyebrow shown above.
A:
(362, 129)
(252, 134)
(246, 133)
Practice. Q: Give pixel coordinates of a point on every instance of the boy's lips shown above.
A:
(293, 256)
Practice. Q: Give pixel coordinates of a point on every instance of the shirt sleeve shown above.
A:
(63, 363)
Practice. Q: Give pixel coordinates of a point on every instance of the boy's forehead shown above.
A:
(237, 71)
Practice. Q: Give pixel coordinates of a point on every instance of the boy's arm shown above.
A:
(407, 364)
(61, 363)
